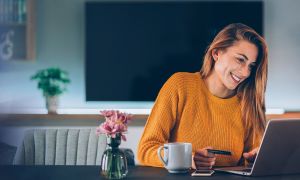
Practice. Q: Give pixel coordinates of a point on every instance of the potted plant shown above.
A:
(52, 81)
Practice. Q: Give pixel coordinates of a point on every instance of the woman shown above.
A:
(220, 107)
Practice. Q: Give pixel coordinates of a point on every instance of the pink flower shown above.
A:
(107, 113)
(124, 117)
(123, 137)
(115, 123)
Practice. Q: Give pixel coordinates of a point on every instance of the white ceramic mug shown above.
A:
(177, 157)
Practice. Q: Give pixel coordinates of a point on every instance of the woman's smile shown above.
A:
(235, 78)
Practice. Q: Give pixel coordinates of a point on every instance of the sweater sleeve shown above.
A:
(160, 122)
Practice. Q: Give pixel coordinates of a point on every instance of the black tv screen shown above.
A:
(132, 48)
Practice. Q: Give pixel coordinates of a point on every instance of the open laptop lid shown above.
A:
(279, 152)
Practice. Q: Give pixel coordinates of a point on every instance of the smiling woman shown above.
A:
(221, 107)
(232, 67)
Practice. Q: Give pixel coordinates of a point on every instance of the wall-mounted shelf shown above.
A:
(17, 30)
(86, 119)
(61, 120)
(97, 117)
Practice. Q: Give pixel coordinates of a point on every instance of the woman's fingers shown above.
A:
(247, 155)
(204, 153)
(203, 159)
(206, 164)
(254, 151)
(250, 156)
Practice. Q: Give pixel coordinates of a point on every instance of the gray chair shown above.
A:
(7, 153)
(61, 147)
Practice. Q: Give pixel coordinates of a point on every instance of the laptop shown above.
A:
(279, 151)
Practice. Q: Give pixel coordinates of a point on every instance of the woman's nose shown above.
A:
(245, 71)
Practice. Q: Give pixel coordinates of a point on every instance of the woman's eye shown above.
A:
(240, 60)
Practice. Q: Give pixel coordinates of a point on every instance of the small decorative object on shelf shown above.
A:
(114, 162)
(52, 82)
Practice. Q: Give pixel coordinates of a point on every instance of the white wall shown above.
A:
(282, 30)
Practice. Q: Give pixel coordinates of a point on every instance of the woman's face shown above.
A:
(234, 64)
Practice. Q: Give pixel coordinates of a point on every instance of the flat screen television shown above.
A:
(132, 48)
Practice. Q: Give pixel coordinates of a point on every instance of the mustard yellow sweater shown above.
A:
(186, 111)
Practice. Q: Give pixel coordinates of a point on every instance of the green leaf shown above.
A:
(52, 81)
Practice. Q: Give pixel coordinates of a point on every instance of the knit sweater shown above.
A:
(186, 111)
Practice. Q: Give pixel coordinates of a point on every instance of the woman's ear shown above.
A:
(215, 54)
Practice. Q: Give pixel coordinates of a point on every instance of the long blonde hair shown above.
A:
(251, 92)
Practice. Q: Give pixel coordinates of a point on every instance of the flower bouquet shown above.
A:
(114, 163)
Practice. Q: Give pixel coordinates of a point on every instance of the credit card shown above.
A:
(216, 151)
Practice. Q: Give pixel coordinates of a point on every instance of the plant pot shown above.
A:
(52, 104)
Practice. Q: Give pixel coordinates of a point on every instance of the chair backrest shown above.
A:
(7, 153)
(61, 147)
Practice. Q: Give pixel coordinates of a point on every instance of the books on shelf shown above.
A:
(12, 11)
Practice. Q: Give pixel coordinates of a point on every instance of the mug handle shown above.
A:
(159, 155)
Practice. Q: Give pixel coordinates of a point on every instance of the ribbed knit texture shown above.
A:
(61, 147)
(186, 111)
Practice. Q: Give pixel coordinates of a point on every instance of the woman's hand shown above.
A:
(251, 155)
(203, 159)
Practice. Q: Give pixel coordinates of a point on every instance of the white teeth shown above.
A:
(235, 77)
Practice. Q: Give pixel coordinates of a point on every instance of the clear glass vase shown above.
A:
(114, 162)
